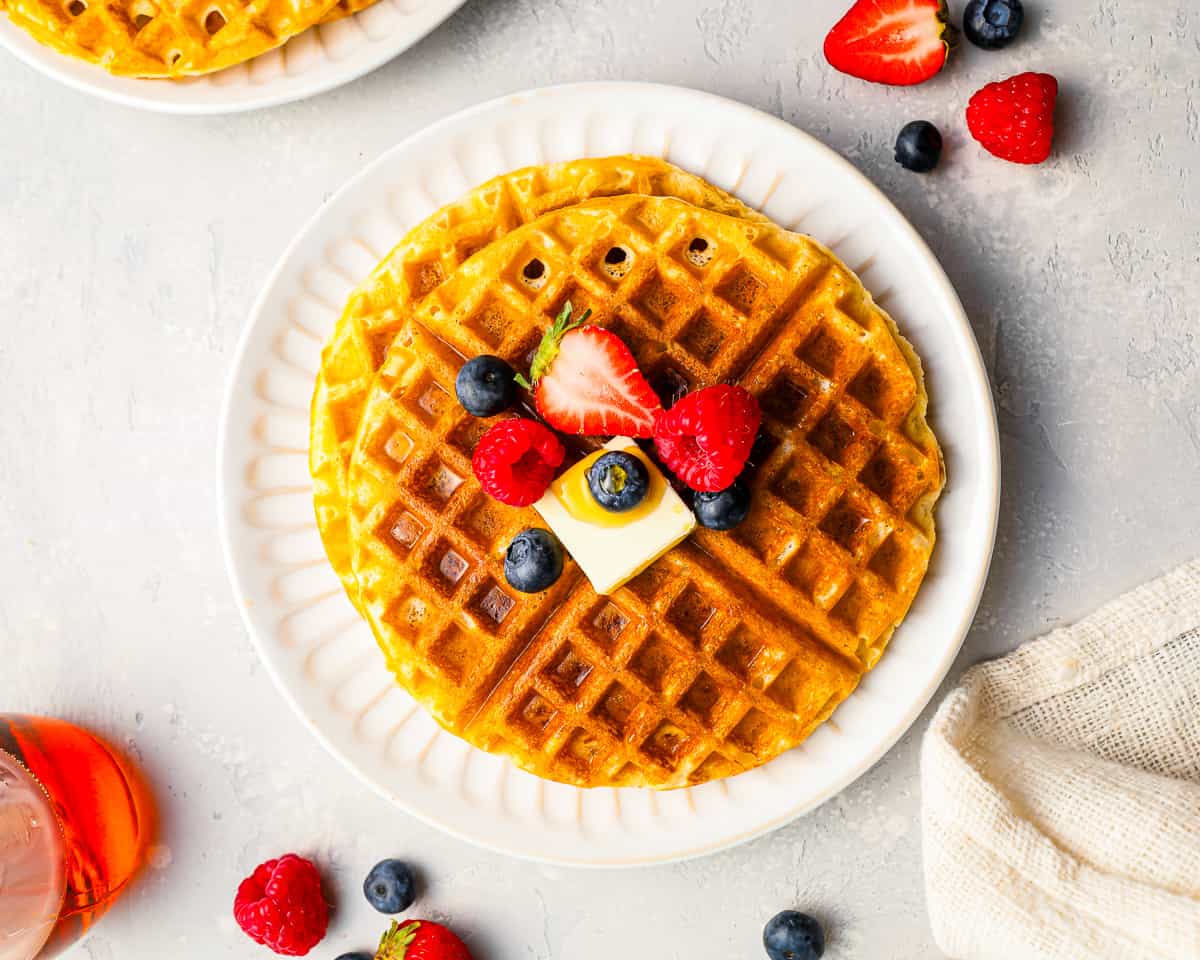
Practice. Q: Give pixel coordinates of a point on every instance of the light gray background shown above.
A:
(132, 246)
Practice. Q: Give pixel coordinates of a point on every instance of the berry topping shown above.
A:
(723, 509)
(516, 459)
(899, 42)
(421, 940)
(390, 886)
(533, 561)
(919, 146)
(992, 24)
(281, 906)
(585, 381)
(792, 935)
(485, 386)
(619, 481)
(707, 436)
(1014, 118)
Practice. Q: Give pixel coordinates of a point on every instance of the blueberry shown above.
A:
(357, 955)
(992, 24)
(919, 146)
(724, 509)
(485, 386)
(792, 935)
(618, 481)
(390, 886)
(533, 561)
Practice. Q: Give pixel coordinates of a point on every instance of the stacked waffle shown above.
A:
(733, 645)
(170, 38)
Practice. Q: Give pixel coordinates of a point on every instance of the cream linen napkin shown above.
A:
(1061, 790)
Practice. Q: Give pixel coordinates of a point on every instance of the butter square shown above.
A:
(611, 556)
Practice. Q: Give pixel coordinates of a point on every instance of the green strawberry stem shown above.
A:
(548, 349)
(394, 944)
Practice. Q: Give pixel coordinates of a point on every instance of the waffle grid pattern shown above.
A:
(801, 599)
(667, 683)
(165, 38)
(421, 262)
(438, 524)
(673, 681)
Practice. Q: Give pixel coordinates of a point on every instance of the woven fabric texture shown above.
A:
(1061, 790)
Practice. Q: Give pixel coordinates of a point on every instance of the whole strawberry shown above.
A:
(280, 905)
(421, 940)
(1014, 118)
(707, 436)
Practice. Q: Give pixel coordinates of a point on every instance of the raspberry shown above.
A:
(281, 905)
(516, 459)
(707, 436)
(1014, 118)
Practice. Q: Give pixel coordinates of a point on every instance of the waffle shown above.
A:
(165, 38)
(425, 258)
(345, 8)
(733, 646)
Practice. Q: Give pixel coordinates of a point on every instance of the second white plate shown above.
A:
(319, 59)
(324, 658)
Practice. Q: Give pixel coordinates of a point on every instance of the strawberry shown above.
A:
(421, 940)
(898, 42)
(1014, 118)
(585, 381)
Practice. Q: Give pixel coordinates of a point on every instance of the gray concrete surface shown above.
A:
(131, 248)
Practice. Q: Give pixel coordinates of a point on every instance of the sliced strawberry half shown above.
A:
(898, 42)
(586, 382)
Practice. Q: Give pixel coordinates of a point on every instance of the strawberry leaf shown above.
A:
(395, 943)
(548, 349)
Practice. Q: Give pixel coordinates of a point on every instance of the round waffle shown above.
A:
(429, 254)
(733, 646)
(165, 38)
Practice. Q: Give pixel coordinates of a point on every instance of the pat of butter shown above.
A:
(611, 556)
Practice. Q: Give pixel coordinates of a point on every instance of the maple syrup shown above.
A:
(73, 829)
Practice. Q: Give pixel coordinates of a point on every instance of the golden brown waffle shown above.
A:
(345, 8)
(429, 254)
(733, 646)
(165, 38)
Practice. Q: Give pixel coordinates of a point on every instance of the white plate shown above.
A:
(323, 656)
(324, 57)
